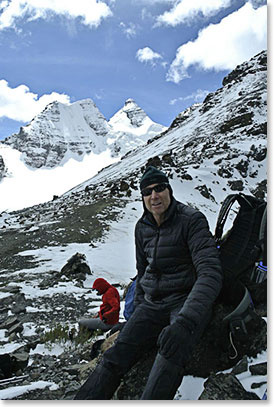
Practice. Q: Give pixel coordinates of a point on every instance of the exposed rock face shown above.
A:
(135, 114)
(247, 68)
(131, 127)
(225, 387)
(2, 168)
(61, 131)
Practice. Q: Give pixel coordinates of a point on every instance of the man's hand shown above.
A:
(172, 338)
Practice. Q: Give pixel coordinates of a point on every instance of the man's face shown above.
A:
(157, 203)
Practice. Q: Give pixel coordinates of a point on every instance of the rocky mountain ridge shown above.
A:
(210, 150)
(62, 131)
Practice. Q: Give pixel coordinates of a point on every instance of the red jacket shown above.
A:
(109, 309)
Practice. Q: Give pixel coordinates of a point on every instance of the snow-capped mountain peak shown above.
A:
(130, 115)
(61, 132)
(132, 120)
(67, 143)
(64, 131)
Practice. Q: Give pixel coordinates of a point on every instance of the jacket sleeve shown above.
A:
(205, 258)
(141, 264)
(114, 303)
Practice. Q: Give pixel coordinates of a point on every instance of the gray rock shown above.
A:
(17, 328)
(257, 385)
(241, 366)
(19, 360)
(19, 309)
(258, 369)
(13, 320)
(3, 169)
(76, 267)
(225, 387)
(10, 289)
(5, 366)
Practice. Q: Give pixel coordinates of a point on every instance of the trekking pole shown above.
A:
(12, 380)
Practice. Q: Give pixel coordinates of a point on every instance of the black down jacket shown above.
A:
(178, 257)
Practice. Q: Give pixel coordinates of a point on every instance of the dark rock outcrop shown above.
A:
(246, 68)
(225, 387)
(3, 169)
(76, 267)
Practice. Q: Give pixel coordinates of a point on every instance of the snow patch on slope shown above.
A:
(24, 186)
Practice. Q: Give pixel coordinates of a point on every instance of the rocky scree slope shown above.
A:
(210, 150)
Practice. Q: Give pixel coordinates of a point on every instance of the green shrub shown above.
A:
(63, 333)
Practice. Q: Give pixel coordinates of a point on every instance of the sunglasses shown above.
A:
(157, 188)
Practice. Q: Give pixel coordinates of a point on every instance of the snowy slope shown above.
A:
(211, 150)
(23, 187)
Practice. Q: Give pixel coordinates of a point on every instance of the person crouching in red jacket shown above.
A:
(108, 315)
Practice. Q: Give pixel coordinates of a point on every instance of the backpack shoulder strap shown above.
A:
(263, 225)
(223, 214)
(261, 244)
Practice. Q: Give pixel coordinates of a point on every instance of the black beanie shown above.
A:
(152, 176)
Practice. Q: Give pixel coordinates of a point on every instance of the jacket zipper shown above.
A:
(155, 252)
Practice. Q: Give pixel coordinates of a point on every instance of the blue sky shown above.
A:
(165, 54)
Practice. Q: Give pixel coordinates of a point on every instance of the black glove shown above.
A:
(172, 338)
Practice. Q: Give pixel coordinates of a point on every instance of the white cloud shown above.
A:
(21, 104)
(128, 29)
(90, 12)
(197, 96)
(147, 55)
(185, 10)
(237, 38)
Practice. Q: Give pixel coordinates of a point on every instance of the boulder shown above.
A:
(19, 360)
(258, 369)
(8, 323)
(5, 366)
(14, 362)
(241, 367)
(16, 328)
(76, 267)
(225, 387)
(81, 370)
(19, 304)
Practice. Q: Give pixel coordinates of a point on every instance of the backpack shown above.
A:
(129, 306)
(243, 255)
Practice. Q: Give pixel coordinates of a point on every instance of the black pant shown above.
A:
(140, 333)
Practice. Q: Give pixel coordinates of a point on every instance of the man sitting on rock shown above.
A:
(179, 278)
(108, 314)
